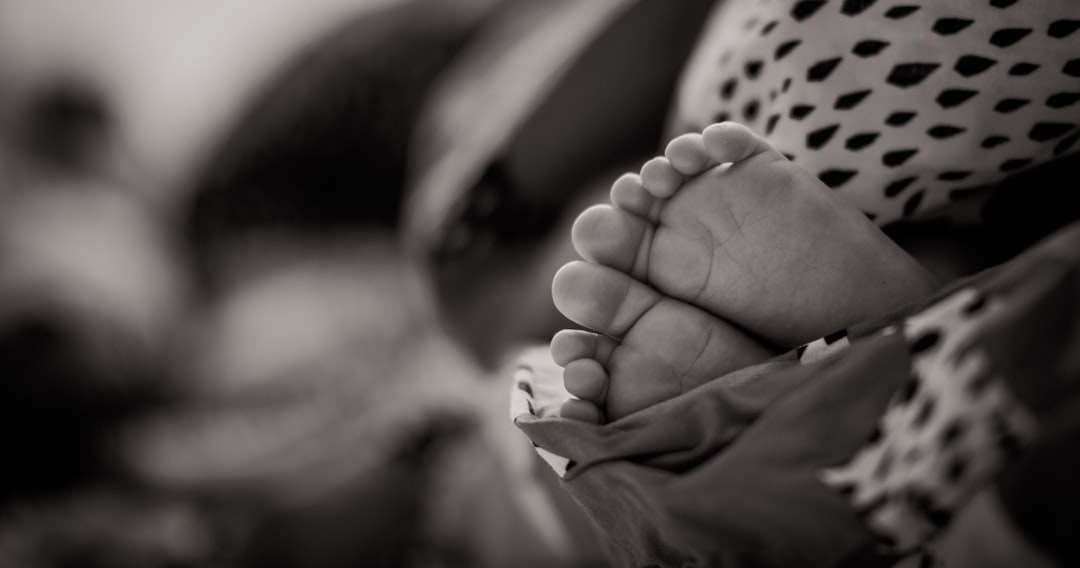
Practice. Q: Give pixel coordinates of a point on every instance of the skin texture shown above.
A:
(715, 256)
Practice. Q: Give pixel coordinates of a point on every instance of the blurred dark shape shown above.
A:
(64, 124)
(324, 146)
(1008, 218)
(88, 293)
(56, 415)
(374, 521)
(492, 253)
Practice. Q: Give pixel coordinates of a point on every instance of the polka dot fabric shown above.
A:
(903, 107)
(949, 430)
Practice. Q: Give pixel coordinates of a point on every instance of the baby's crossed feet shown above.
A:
(698, 269)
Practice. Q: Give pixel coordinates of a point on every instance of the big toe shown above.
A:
(612, 237)
(731, 142)
(601, 298)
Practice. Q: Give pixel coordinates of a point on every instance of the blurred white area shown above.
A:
(86, 259)
(309, 368)
(175, 74)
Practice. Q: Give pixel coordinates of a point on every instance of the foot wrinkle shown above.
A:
(644, 250)
(610, 355)
(694, 362)
(610, 322)
(657, 298)
(712, 260)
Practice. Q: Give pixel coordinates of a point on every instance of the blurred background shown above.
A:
(264, 263)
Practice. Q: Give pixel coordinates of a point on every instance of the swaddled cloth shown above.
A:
(869, 450)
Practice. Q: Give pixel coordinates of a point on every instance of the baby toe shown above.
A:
(610, 236)
(581, 410)
(601, 298)
(572, 344)
(660, 178)
(687, 154)
(628, 194)
(730, 142)
(586, 379)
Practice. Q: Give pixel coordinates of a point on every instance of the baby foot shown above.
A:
(756, 242)
(665, 347)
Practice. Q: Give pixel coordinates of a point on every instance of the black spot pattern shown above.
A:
(1009, 105)
(1062, 100)
(1014, 164)
(1009, 36)
(912, 204)
(869, 47)
(851, 100)
(932, 512)
(525, 387)
(846, 490)
(753, 68)
(1062, 28)
(1072, 68)
(770, 123)
(901, 12)
(836, 178)
(975, 307)
(944, 131)
(972, 65)
(1023, 69)
(950, 26)
(926, 342)
(785, 48)
(835, 336)
(855, 7)
(1007, 441)
(860, 141)
(897, 187)
(875, 436)
(1002, 3)
(925, 413)
(727, 90)
(910, 389)
(799, 112)
(950, 98)
(910, 74)
(898, 157)
(954, 175)
(750, 110)
(952, 433)
(822, 69)
(1066, 144)
(899, 118)
(805, 9)
(956, 469)
(821, 136)
(1045, 131)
